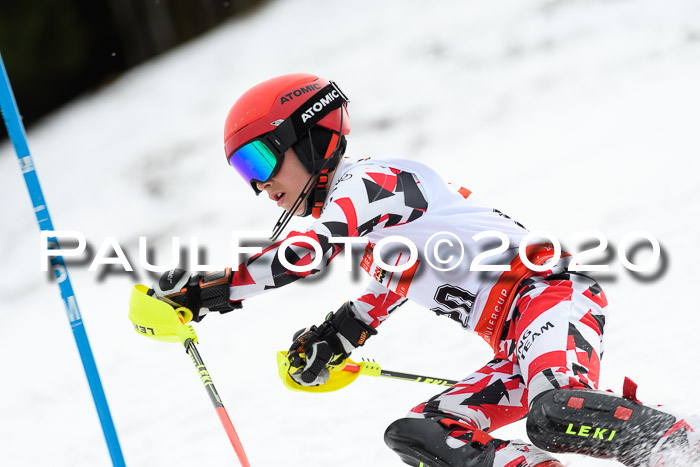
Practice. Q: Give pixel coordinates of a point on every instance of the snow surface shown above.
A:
(567, 115)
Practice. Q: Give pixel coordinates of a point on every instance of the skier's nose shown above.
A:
(263, 185)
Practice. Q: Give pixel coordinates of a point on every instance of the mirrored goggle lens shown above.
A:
(254, 161)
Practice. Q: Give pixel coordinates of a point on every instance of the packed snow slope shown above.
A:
(569, 116)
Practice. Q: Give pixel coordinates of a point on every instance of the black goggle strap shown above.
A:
(313, 110)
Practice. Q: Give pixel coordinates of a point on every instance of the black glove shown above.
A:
(200, 294)
(330, 344)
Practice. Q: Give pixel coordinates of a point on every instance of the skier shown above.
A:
(286, 137)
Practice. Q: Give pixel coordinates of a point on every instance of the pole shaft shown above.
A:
(354, 368)
(418, 378)
(17, 134)
(216, 402)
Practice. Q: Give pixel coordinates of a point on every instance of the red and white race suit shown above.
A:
(379, 198)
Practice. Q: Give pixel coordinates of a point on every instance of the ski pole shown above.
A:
(341, 377)
(216, 401)
(15, 129)
(159, 320)
(353, 367)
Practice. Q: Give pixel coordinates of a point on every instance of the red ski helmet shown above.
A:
(261, 116)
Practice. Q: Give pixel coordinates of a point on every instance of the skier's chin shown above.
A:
(300, 208)
(299, 211)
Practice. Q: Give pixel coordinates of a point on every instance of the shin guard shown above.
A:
(434, 442)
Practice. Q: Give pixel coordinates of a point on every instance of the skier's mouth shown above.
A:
(279, 197)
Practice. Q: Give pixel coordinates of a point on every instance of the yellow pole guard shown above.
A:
(338, 378)
(158, 320)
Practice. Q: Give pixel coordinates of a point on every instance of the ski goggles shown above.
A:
(261, 158)
(256, 162)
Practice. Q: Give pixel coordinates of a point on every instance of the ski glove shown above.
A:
(316, 349)
(200, 294)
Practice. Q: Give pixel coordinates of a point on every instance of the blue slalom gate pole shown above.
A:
(15, 130)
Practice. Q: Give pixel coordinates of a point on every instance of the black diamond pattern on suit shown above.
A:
(579, 369)
(506, 327)
(516, 314)
(415, 215)
(280, 277)
(337, 229)
(412, 195)
(376, 192)
(595, 289)
(519, 378)
(600, 319)
(368, 226)
(511, 347)
(433, 405)
(491, 394)
(550, 377)
(393, 220)
(525, 286)
(579, 341)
